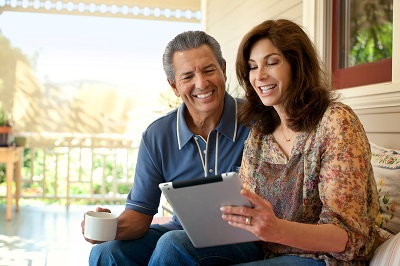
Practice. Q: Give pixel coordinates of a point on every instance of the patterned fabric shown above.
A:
(328, 179)
(388, 254)
(386, 165)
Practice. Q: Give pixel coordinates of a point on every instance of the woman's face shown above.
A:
(270, 72)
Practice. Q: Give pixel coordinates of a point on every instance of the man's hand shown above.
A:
(98, 209)
(131, 225)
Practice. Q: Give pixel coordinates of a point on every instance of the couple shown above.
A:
(304, 158)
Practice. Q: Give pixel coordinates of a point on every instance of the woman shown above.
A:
(306, 162)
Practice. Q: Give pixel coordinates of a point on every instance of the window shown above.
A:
(362, 42)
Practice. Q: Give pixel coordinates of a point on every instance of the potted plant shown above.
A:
(5, 127)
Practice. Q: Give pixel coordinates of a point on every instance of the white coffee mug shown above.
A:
(100, 226)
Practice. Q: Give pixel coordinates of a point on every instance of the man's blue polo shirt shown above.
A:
(169, 151)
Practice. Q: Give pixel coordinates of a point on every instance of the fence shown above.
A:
(68, 167)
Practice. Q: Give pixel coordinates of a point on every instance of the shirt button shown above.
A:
(204, 151)
(210, 171)
(196, 138)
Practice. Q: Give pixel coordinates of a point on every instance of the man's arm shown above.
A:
(132, 225)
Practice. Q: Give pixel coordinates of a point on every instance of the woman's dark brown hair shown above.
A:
(309, 93)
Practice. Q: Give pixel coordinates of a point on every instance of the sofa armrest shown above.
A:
(387, 254)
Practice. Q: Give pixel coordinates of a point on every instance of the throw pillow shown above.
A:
(386, 165)
(387, 254)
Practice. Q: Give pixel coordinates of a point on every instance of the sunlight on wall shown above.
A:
(88, 74)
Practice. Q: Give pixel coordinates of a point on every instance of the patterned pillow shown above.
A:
(386, 165)
(387, 254)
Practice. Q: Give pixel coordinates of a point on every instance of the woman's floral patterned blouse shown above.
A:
(328, 179)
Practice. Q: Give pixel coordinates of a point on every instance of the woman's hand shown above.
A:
(260, 220)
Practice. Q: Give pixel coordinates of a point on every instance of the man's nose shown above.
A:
(201, 81)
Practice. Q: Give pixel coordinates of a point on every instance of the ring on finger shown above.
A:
(248, 220)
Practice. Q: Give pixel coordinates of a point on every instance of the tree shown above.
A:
(372, 29)
(9, 56)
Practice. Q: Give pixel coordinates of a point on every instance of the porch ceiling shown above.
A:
(168, 10)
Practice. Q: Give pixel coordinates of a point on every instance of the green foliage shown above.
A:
(372, 44)
(371, 31)
(42, 172)
(5, 119)
(2, 173)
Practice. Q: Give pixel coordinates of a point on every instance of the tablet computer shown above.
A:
(196, 203)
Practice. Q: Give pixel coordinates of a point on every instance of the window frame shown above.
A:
(363, 74)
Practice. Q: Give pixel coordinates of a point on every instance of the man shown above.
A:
(202, 137)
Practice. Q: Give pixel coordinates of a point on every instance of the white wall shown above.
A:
(378, 106)
(229, 20)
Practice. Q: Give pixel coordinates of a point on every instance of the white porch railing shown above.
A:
(67, 167)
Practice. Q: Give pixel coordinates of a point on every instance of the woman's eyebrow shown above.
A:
(266, 56)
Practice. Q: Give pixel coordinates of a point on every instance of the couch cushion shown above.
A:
(386, 165)
(387, 254)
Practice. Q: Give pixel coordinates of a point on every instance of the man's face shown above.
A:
(200, 80)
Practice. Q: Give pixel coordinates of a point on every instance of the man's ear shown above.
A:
(173, 86)
(224, 71)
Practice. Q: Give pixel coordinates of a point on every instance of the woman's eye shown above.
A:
(272, 62)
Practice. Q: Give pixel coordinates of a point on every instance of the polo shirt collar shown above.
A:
(227, 125)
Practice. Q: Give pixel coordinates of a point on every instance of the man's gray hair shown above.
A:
(186, 41)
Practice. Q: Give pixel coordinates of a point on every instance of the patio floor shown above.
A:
(45, 236)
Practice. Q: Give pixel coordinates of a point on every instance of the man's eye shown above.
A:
(186, 77)
(209, 71)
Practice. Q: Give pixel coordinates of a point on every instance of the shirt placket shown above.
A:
(210, 154)
(207, 150)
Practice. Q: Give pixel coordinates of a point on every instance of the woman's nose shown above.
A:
(262, 73)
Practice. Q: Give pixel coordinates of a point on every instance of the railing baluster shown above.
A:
(91, 175)
(44, 171)
(68, 176)
(114, 173)
(68, 163)
(56, 175)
